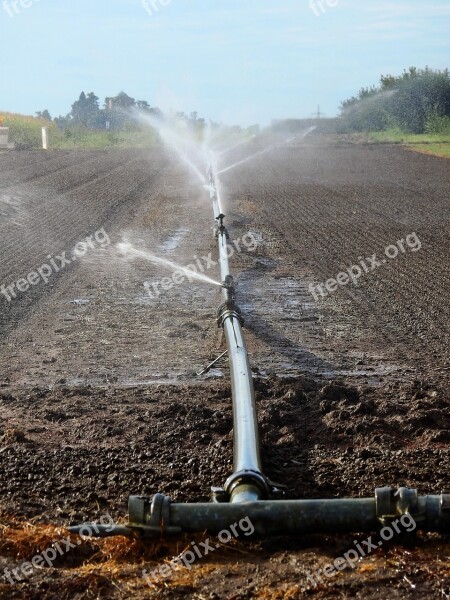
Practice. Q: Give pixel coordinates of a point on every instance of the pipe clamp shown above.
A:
(392, 503)
(268, 488)
(229, 310)
(151, 517)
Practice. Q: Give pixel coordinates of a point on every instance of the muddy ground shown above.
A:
(98, 392)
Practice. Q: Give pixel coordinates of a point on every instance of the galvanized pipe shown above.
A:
(245, 421)
(247, 457)
(223, 260)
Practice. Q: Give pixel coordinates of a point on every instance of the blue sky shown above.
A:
(235, 61)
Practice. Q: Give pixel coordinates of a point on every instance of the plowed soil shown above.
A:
(99, 394)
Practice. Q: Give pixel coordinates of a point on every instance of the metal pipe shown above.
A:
(245, 422)
(154, 517)
(247, 457)
(223, 259)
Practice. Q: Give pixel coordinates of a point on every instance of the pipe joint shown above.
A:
(394, 503)
(221, 230)
(444, 510)
(229, 309)
(262, 486)
(151, 517)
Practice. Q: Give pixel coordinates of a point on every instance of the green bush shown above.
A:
(25, 132)
(436, 123)
(417, 102)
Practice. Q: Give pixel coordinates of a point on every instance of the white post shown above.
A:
(45, 138)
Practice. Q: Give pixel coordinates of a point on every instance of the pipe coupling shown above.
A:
(229, 310)
(392, 503)
(269, 489)
(151, 516)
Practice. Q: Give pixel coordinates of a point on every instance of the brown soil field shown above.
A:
(99, 395)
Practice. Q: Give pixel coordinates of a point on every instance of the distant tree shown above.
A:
(194, 122)
(117, 111)
(86, 112)
(44, 114)
(420, 95)
(62, 122)
(157, 113)
(143, 105)
(418, 100)
(122, 101)
(115, 115)
(214, 126)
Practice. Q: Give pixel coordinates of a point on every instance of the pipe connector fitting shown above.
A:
(229, 310)
(393, 503)
(244, 479)
(444, 510)
(150, 517)
(230, 286)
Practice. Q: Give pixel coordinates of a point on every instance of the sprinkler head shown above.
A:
(228, 284)
(230, 287)
(220, 218)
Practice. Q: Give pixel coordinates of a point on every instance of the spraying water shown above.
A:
(237, 145)
(129, 250)
(182, 145)
(266, 150)
(188, 147)
(12, 211)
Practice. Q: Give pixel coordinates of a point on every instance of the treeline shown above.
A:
(418, 101)
(115, 115)
(119, 122)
